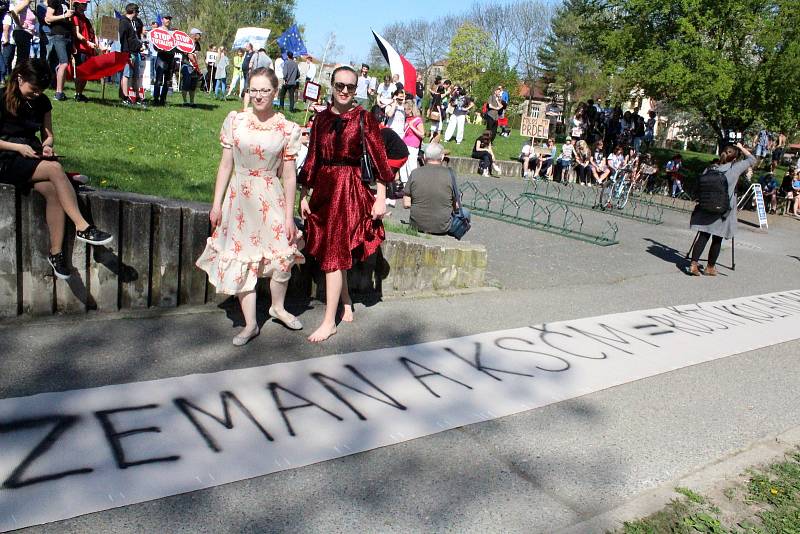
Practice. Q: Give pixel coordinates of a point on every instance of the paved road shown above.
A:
(533, 472)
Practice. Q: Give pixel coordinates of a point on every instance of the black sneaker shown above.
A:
(93, 236)
(80, 98)
(60, 97)
(59, 265)
(126, 102)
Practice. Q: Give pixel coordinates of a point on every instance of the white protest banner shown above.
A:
(758, 193)
(75, 452)
(162, 39)
(258, 37)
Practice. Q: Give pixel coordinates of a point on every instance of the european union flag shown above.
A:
(159, 20)
(117, 14)
(290, 41)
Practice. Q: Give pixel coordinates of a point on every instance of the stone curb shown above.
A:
(713, 475)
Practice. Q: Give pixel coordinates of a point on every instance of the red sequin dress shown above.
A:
(340, 224)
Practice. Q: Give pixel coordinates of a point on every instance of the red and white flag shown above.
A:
(398, 64)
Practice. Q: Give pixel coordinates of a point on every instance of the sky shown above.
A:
(352, 20)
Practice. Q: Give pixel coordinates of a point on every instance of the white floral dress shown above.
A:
(250, 241)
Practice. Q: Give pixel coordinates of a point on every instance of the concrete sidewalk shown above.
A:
(539, 471)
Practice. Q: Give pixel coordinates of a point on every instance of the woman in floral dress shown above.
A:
(254, 235)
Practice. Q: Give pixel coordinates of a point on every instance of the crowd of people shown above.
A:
(368, 147)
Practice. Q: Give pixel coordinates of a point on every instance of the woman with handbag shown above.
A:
(343, 217)
(436, 111)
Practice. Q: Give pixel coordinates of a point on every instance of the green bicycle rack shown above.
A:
(586, 197)
(668, 203)
(549, 216)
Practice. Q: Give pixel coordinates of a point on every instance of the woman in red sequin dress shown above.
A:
(343, 217)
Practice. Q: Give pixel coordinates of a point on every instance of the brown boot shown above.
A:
(711, 270)
(694, 269)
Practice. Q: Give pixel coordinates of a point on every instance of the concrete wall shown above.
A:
(150, 263)
(462, 166)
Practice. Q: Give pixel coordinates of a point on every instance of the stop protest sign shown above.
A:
(183, 42)
(162, 39)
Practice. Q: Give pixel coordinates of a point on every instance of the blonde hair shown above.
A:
(414, 112)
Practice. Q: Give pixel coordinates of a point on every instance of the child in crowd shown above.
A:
(673, 170)
(565, 161)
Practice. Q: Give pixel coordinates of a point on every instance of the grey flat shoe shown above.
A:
(240, 340)
(292, 324)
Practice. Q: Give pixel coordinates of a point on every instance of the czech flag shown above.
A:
(398, 64)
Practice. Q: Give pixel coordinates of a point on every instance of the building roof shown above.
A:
(537, 92)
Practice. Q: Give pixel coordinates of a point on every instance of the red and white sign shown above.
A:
(183, 42)
(162, 39)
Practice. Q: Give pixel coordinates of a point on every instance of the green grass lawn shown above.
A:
(174, 151)
(767, 502)
(166, 151)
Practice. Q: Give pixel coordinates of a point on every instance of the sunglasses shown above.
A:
(340, 87)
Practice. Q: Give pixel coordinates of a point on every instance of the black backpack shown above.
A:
(712, 192)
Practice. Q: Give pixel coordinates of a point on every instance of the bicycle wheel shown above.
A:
(606, 192)
(622, 201)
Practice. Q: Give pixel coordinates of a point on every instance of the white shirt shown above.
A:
(398, 121)
(365, 83)
(8, 21)
(385, 92)
(311, 71)
(279, 68)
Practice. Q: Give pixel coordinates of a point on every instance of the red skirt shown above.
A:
(340, 225)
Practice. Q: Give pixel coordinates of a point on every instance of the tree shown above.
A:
(566, 62)
(421, 41)
(529, 25)
(497, 73)
(470, 51)
(734, 62)
(219, 19)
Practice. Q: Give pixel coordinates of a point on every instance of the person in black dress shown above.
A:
(28, 161)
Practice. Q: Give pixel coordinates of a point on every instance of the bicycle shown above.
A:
(615, 190)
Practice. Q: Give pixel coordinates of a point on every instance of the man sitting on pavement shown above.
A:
(429, 194)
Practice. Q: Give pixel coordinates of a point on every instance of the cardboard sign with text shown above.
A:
(311, 92)
(536, 128)
(109, 28)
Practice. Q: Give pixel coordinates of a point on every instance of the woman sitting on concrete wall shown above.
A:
(27, 161)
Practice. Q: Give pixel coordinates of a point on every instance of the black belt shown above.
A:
(342, 163)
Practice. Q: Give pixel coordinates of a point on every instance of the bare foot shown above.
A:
(347, 313)
(322, 333)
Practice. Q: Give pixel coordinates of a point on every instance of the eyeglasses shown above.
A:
(259, 92)
(340, 87)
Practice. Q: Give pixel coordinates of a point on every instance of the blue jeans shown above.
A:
(677, 188)
(6, 57)
(220, 87)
